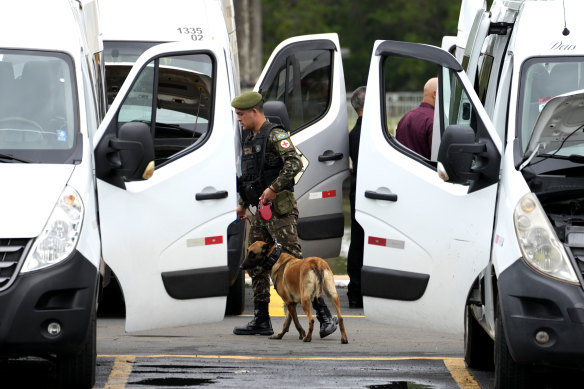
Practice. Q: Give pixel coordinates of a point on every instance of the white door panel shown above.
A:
(306, 73)
(166, 238)
(425, 239)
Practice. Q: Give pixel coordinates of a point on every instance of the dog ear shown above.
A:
(266, 249)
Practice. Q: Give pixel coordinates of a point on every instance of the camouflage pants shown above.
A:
(285, 232)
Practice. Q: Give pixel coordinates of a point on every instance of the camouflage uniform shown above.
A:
(283, 228)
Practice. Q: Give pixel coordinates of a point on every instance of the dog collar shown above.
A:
(273, 257)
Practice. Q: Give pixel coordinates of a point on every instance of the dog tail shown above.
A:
(320, 278)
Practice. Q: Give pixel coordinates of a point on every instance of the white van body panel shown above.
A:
(176, 20)
(469, 10)
(505, 248)
(26, 207)
(528, 279)
(530, 38)
(434, 227)
(163, 212)
(318, 189)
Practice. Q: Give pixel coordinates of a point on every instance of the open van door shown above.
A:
(426, 240)
(165, 237)
(470, 11)
(306, 74)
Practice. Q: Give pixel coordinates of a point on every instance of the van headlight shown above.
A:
(539, 243)
(60, 235)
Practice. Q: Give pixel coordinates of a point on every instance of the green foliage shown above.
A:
(359, 24)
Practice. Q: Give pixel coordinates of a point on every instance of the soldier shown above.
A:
(269, 164)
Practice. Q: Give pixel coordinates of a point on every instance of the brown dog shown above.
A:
(296, 281)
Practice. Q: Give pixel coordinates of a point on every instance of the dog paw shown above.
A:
(277, 336)
(306, 339)
(344, 341)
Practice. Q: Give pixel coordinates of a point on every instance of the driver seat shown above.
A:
(276, 112)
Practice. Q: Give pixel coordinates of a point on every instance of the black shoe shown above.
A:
(259, 325)
(328, 323)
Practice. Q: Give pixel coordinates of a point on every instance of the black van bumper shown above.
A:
(532, 303)
(64, 293)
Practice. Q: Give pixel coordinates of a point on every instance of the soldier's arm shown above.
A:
(283, 146)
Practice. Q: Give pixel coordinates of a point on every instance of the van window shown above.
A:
(458, 109)
(484, 75)
(303, 84)
(119, 56)
(38, 107)
(542, 79)
(403, 94)
(173, 95)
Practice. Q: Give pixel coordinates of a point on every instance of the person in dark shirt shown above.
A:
(414, 130)
(355, 255)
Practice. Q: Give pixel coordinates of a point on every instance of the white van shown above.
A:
(151, 190)
(52, 100)
(486, 238)
(313, 97)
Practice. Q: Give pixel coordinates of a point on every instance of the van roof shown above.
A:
(40, 25)
(167, 21)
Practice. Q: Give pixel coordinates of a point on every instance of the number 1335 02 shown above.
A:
(196, 33)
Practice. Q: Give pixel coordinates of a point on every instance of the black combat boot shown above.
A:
(260, 324)
(328, 323)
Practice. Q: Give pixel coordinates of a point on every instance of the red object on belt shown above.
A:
(265, 210)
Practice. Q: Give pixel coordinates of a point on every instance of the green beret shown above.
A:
(246, 100)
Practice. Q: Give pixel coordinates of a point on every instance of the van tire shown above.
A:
(508, 373)
(78, 371)
(478, 345)
(236, 297)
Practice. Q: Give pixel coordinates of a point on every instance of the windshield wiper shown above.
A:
(7, 158)
(575, 158)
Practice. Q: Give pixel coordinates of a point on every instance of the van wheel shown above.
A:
(236, 296)
(78, 371)
(478, 345)
(508, 373)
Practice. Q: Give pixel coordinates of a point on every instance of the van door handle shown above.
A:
(330, 157)
(370, 194)
(221, 194)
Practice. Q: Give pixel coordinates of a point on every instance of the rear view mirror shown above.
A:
(457, 153)
(136, 151)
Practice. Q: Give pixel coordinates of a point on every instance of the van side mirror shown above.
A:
(135, 148)
(457, 153)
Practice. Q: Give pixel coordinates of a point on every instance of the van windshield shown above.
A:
(38, 113)
(541, 80)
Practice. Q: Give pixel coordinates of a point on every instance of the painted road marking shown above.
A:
(460, 374)
(121, 369)
(276, 306)
(122, 366)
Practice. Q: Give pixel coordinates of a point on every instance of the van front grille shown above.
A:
(12, 253)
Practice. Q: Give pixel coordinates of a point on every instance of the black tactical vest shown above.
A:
(256, 173)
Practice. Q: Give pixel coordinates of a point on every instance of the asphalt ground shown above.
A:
(211, 355)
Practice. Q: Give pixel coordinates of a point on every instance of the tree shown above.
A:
(359, 24)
